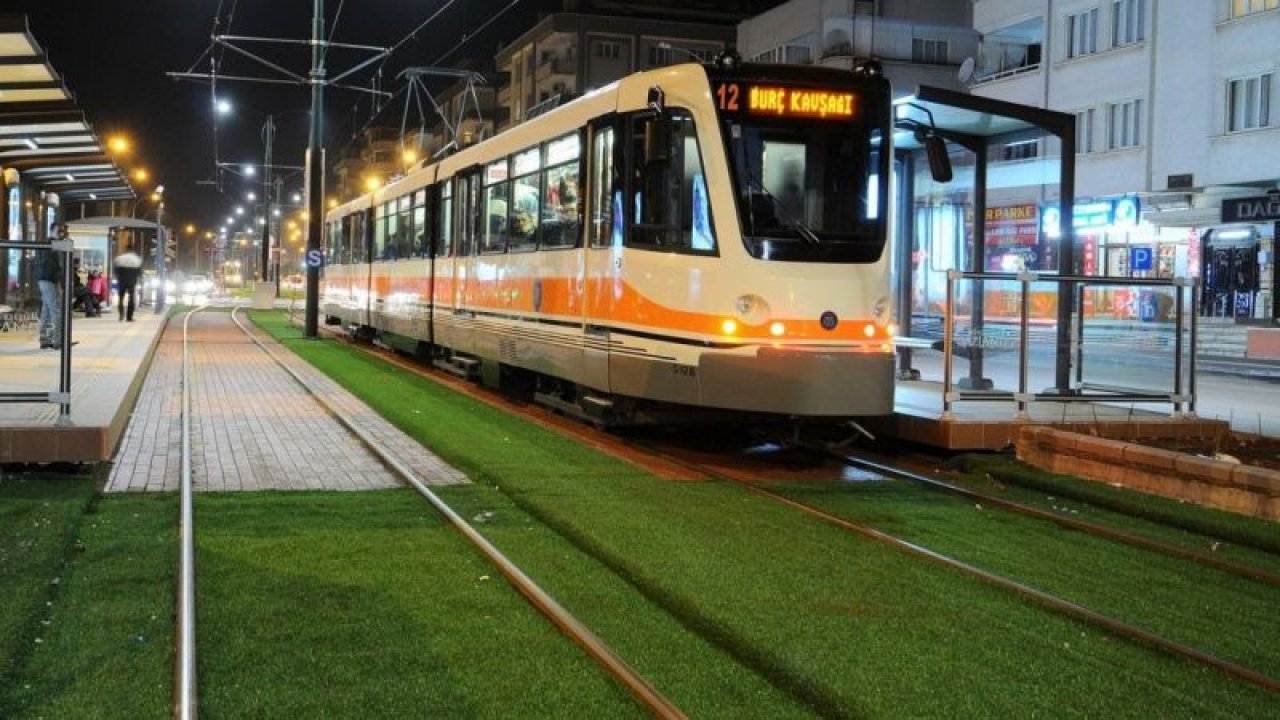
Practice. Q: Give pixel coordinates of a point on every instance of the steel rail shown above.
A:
(185, 697)
(1138, 541)
(1053, 602)
(592, 644)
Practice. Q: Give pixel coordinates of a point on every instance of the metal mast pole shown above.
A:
(269, 133)
(315, 172)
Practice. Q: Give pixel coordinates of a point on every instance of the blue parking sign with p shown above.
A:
(1140, 258)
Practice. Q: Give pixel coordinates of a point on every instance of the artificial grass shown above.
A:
(368, 605)
(1207, 608)
(101, 634)
(844, 625)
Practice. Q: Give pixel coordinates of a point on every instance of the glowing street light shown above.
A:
(223, 107)
(141, 174)
(118, 144)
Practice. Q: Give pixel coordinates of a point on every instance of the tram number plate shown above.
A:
(684, 370)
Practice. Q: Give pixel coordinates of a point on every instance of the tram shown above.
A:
(685, 241)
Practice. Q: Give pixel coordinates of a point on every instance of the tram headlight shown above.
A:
(777, 329)
(729, 326)
(751, 309)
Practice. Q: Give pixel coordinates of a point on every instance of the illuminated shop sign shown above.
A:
(1251, 209)
(786, 101)
(1098, 215)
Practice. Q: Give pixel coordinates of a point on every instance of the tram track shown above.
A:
(1049, 600)
(1056, 603)
(185, 692)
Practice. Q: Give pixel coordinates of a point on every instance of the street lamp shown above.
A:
(160, 251)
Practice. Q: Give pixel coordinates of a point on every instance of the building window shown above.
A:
(799, 51)
(1249, 102)
(929, 52)
(659, 55)
(1082, 33)
(1018, 150)
(1248, 7)
(1127, 19)
(1084, 131)
(1124, 125)
(608, 49)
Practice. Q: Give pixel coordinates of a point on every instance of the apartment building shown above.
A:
(567, 54)
(1177, 131)
(917, 42)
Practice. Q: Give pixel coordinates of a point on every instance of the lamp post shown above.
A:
(161, 245)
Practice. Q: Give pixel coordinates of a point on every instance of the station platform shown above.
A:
(918, 417)
(111, 362)
(108, 364)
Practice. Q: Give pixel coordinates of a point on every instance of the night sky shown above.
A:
(114, 56)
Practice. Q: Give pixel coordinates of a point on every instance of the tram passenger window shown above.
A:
(421, 226)
(470, 222)
(359, 236)
(444, 217)
(380, 232)
(493, 238)
(672, 210)
(560, 195)
(524, 212)
(394, 232)
(604, 181)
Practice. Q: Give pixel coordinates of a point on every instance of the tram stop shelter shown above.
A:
(987, 273)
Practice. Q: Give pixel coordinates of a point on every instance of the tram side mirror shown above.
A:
(657, 100)
(657, 140)
(936, 150)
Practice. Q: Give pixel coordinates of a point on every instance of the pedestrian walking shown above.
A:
(128, 269)
(48, 276)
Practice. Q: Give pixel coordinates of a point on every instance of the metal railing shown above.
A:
(1131, 334)
(61, 396)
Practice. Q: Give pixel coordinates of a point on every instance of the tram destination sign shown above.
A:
(1251, 209)
(786, 101)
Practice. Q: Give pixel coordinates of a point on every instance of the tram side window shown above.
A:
(380, 232)
(669, 189)
(493, 238)
(359, 237)
(606, 220)
(525, 212)
(399, 229)
(333, 240)
(444, 217)
(421, 238)
(469, 221)
(560, 224)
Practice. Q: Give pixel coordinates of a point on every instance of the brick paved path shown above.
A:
(253, 426)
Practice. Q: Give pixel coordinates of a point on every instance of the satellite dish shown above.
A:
(965, 73)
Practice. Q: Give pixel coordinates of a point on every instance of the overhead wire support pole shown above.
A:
(315, 174)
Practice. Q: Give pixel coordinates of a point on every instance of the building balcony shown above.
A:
(556, 70)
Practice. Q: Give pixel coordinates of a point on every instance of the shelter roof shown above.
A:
(43, 134)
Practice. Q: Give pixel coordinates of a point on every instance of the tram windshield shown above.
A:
(808, 185)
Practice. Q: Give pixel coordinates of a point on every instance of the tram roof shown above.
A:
(43, 134)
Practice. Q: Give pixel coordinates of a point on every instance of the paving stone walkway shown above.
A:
(253, 426)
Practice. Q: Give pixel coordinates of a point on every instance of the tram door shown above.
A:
(1230, 280)
(604, 248)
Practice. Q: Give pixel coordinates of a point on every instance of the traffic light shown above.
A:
(170, 247)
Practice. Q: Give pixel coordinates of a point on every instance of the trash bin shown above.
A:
(264, 295)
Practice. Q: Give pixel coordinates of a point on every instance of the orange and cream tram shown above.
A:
(686, 239)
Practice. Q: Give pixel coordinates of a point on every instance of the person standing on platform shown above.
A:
(128, 269)
(48, 277)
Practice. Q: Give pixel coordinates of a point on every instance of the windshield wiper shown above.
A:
(803, 230)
